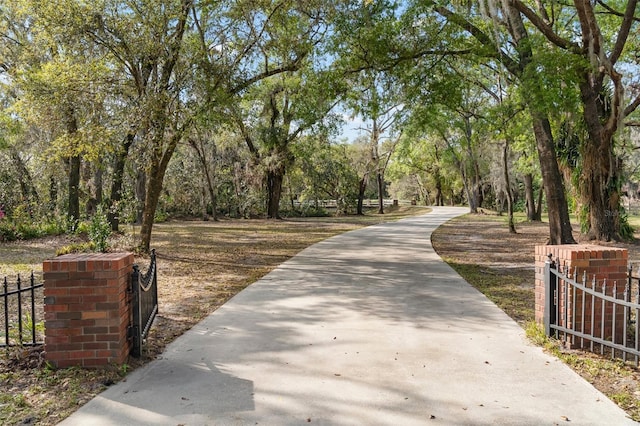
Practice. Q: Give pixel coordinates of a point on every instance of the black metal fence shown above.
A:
(19, 319)
(597, 316)
(144, 300)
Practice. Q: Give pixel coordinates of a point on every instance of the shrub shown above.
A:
(75, 248)
(8, 231)
(99, 230)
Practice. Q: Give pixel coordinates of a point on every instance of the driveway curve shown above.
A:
(370, 327)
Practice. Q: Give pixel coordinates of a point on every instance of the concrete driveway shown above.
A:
(367, 328)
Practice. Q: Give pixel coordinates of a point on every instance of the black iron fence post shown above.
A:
(136, 343)
(6, 310)
(550, 285)
(33, 309)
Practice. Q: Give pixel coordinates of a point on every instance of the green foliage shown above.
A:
(535, 332)
(583, 218)
(70, 89)
(307, 209)
(84, 247)
(160, 216)
(22, 224)
(626, 230)
(27, 325)
(326, 172)
(99, 230)
(80, 228)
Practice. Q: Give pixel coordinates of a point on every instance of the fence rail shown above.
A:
(19, 319)
(334, 203)
(598, 316)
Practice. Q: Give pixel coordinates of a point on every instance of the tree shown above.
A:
(604, 33)
(285, 115)
(420, 159)
(361, 158)
(58, 79)
(181, 60)
(204, 145)
(327, 172)
(376, 98)
(367, 33)
(519, 62)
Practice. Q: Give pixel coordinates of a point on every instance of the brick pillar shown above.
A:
(86, 309)
(603, 263)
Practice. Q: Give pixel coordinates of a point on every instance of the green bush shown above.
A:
(82, 228)
(21, 226)
(99, 230)
(8, 231)
(76, 248)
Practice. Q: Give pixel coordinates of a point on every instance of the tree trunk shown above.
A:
(155, 178)
(538, 216)
(214, 201)
(529, 197)
(53, 195)
(474, 181)
(473, 206)
(560, 231)
(153, 188)
(274, 192)
(74, 188)
(74, 162)
(98, 179)
(380, 180)
(600, 177)
(439, 197)
(28, 190)
(478, 189)
(600, 193)
(362, 187)
(424, 193)
(141, 195)
(507, 183)
(203, 202)
(201, 151)
(116, 184)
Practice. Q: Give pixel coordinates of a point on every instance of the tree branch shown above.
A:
(483, 38)
(632, 106)
(545, 29)
(293, 66)
(625, 28)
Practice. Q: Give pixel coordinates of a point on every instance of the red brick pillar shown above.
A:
(86, 309)
(601, 263)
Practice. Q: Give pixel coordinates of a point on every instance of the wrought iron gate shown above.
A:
(593, 315)
(144, 303)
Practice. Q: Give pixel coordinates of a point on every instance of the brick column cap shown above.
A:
(88, 261)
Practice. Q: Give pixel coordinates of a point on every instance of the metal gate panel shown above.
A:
(144, 302)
